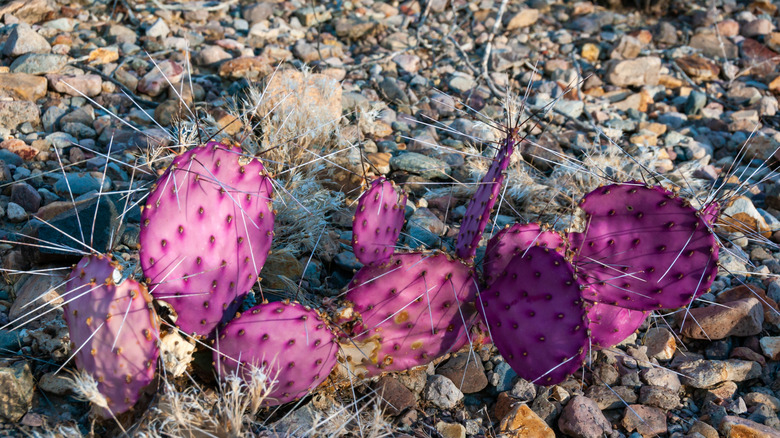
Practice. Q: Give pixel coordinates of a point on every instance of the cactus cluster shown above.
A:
(543, 297)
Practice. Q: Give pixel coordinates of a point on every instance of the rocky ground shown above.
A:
(681, 86)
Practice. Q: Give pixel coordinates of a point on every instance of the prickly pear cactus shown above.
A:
(415, 307)
(643, 248)
(289, 342)
(514, 240)
(610, 325)
(206, 231)
(536, 315)
(114, 330)
(378, 222)
(478, 211)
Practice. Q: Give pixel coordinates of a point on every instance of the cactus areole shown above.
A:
(114, 330)
(206, 231)
(287, 342)
(643, 248)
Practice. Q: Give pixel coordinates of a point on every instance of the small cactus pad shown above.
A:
(378, 222)
(478, 211)
(287, 341)
(643, 248)
(415, 307)
(536, 316)
(206, 231)
(610, 325)
(514, 240)
(114, 330)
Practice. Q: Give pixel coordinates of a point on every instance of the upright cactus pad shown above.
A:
(205, 234)
(610, 325)
(478, 211)
(514, 240)
(414, 308)
(643, 248)
(114, 330)
(378, 222)
(289, 342)
(536, 315)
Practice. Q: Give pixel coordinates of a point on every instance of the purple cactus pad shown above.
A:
(610, 325)
(414, 308)
(378, 222)
(478, 211)
(514, 240)
(643, 248)
(114, 330)
(536, 316)
(290, 343)
(206, 231)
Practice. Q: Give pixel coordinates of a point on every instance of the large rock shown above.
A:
(423, 165)
(648, 421)
(39, 63)
(442, 392)
(17, 394)
(736, 427)
(20, 86)
(582, 418)
(23, 40)
(634, 72)
(13, 114)
(707, 373)
(81, 85)
(737, 318)
(394, 396)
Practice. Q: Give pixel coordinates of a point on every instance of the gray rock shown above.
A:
(76, 183)
(713, 47)
(23, 40)
(10, 341)
(424, 228)
(659, 376)
(502, 376)
(15, 212)
(582, 418)
(258, 12)
(706, 373)
(659, 397)
(26, 196)
(696, 101)
(51, 117)
(523, 390)
(79, 130)
(461, 83)
(419, 164)
(211, 55)
(392, 91)
(646, 420)
(442, 392)
(158, 29)
(121, 34)
(17, 394)
(38, 64)
(614, 397)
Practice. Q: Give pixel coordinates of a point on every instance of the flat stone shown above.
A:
(15, 212)
(646, 420)
(77, 184)
(522, 422)
(419, 164)
(634, 72)
(20, 86)
(395, 397)
(771, 309)
(760, 398)
(708, 373)
(451, 430)
(737, 318)
(582, 418)
(658, 376)
(710, 45)
(39, 64)
(158, 30)
(660, 343)
(23, 40)
(469, 378)
(55, 384)
(703, 429)
(250, 67)
(737, 427)
(38, 295)
(17, 394)
(611, 398)
(698, 68)
(758, 27)
(210, 55)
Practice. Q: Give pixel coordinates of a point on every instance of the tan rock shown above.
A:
(736, 427)
(524, 18)
(250, 67)
(770, 346)
(634, 72)
(699, 69)
(740, 215)
(21, 86)
(590, 52)
(522, 422)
